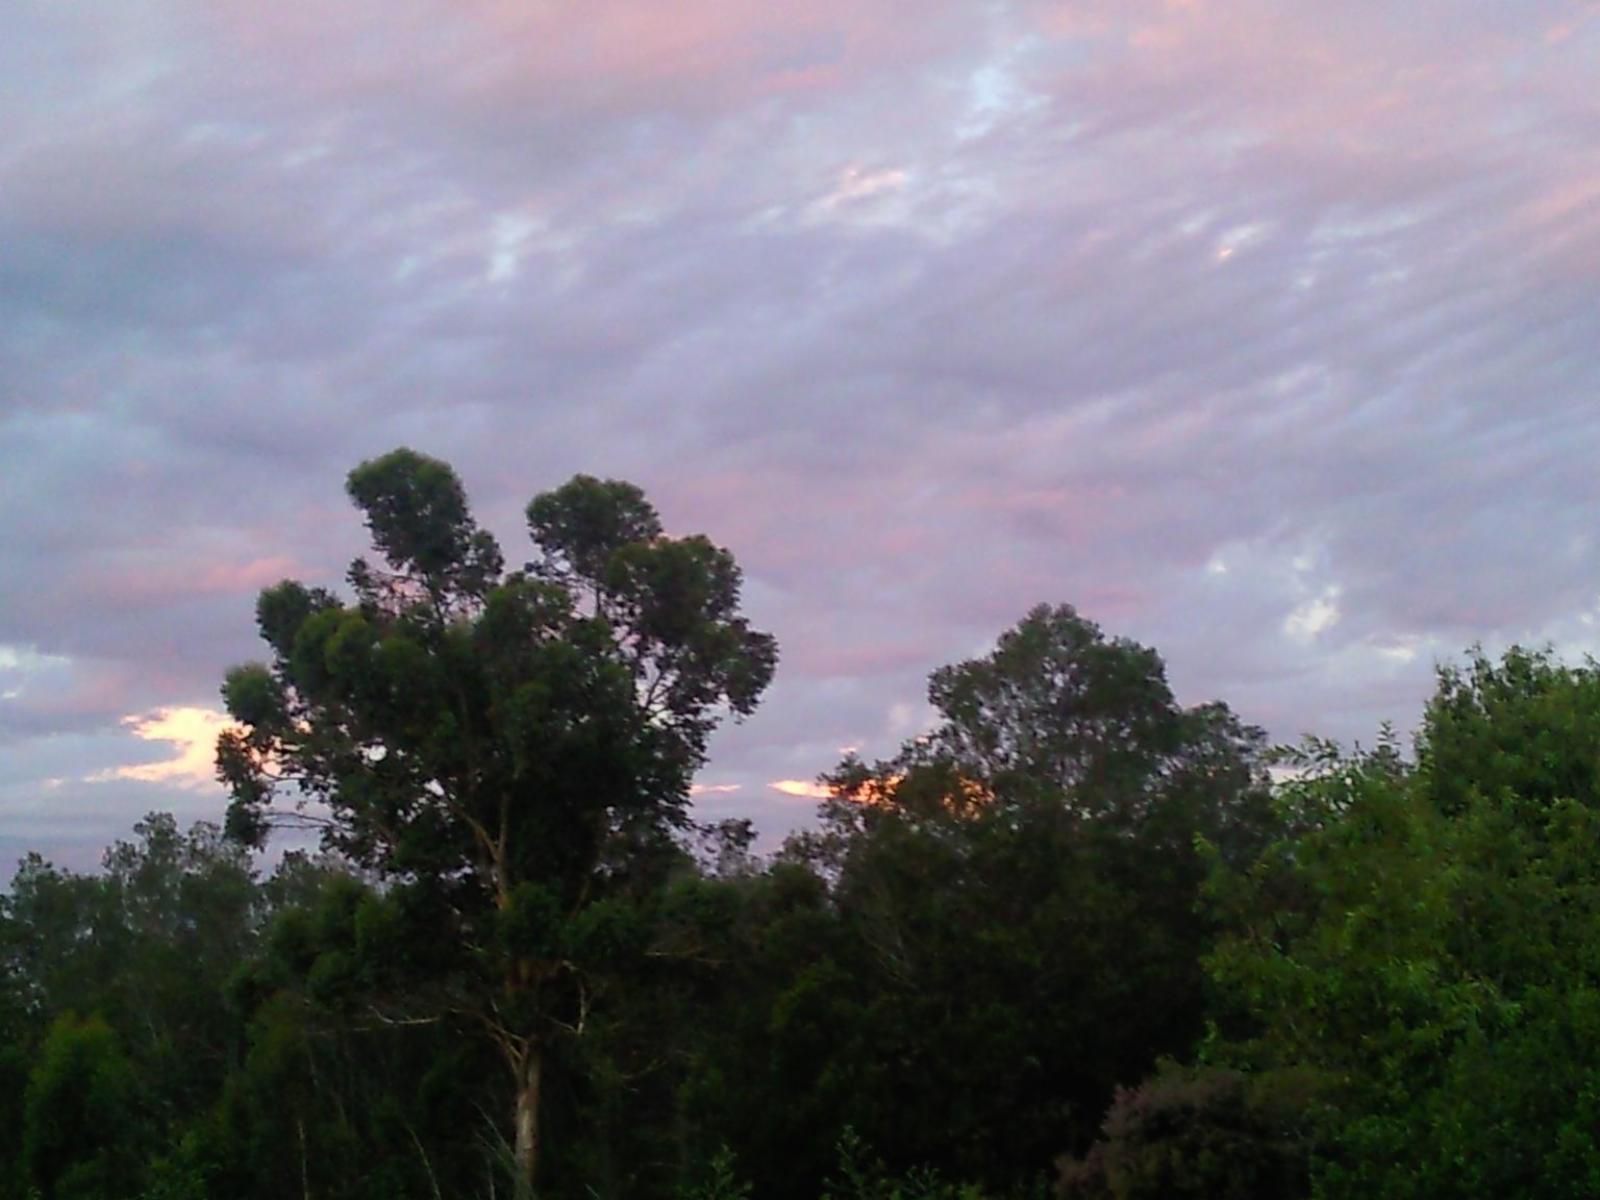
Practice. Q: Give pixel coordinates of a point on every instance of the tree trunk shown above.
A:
(527, 1137)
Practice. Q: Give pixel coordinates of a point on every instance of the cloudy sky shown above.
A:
(1263, 331)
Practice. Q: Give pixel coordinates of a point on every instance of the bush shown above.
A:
(1211, 1134)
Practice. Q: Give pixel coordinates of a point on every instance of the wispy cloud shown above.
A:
(799, 789)
(1314, 616)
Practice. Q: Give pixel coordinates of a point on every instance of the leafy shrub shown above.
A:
(1211, 1134)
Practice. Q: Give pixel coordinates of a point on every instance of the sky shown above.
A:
(1262, 331)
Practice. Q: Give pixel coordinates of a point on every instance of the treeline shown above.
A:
(1076, 941)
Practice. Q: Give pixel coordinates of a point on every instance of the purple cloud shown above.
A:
(1262, 332)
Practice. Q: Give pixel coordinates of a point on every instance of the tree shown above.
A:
(187, 908)
(1423, 945)
(1209, 1134)
(329, 1101)
(1016, 894)
(143, 948)
(1527, 725)
(497, 746)
(81, 1128)
(1088, 727)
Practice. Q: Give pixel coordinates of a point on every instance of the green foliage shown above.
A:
(1388, 971)
(720, 1182)
(860, 1175)
(1425, 946)
(1062, 715)
(1208, 1134)
(81, 1129)
(1526, 726)
(1014, 899)
(183, 1174)
(507, 752)
(417, 513)
(146, 950)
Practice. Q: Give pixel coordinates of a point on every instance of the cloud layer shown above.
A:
(1262, 332)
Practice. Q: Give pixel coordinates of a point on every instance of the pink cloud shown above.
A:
(714, 789)
(192, 735)
(593, 54)
(85, 689)
(144, 576)
(799, 789)
(1363, 79)
(1561, 224)
(246, 577)
(830, 660)
(755, 512)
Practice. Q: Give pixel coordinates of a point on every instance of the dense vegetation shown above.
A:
(1074, 942)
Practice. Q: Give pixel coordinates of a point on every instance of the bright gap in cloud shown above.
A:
(193, 734)
(800, 789)
(1401, 648)
(1315, 616)
(713, 789)
(508, 242)
(26, 660)
(19, 663)
(863, 195)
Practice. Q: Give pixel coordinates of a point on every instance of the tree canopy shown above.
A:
(497, 745)
(1074, 938)
(1421, 948)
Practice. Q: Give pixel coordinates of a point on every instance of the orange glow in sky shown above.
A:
(192, 733)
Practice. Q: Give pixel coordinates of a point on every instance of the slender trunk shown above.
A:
(527, 1143)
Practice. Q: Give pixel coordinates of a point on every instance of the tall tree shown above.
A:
(1017, 894)
(497, 745)
(1087, 726)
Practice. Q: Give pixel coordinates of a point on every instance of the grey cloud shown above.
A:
(930, 314)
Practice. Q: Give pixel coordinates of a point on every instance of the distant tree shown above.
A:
(335, 1097)
(143, 948)
(1209, 1134)
(1526, 724)
(1016, 894)
(1086, 726)
(61, 947)
(1424, 945)
(82, 1129)
(186, 908)
(498, 746)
